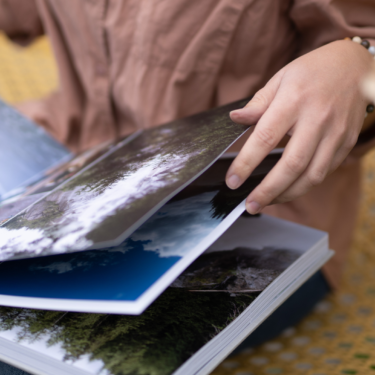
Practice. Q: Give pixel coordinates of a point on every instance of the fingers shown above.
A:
(329, 155)
(265, 136)
(271, 128)
(294, 161)
(343, 152)
(319, 167)
(258, 105)
(315, 103)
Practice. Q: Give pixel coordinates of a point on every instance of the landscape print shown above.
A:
(110, 199)
(26, 150)
(241, 270)
(123, 272)
(157, 342)
(126, 271)
(15, 205)
(54, 177)
(51, 178)
(203, 301)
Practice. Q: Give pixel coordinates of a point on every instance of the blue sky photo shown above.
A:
(120, 273)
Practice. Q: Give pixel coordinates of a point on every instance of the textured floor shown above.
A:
(338, 338)
(26, 73)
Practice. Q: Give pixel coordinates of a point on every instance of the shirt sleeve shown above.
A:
(19, 19)
(319, 22)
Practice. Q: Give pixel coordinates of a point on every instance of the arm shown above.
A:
(19, 19)
(315, 100)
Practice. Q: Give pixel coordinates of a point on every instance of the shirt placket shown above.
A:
(101, 68)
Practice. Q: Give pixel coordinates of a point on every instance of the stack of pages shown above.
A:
(134, 257)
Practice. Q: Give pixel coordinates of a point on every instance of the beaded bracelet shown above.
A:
(365, 43)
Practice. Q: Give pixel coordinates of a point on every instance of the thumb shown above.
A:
(258, 105)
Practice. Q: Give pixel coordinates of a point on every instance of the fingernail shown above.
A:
(253, 207)
(236, 111)
(233, 182)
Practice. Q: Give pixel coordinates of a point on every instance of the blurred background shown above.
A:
(338, 337)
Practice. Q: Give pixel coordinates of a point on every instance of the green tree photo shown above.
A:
(157, 342)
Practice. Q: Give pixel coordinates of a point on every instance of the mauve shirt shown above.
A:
(126, 65)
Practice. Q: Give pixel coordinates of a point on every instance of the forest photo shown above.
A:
(157, 342)
(201, 302)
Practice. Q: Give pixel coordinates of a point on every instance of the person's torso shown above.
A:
(134, 64)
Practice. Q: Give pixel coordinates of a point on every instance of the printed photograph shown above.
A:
(15, 205)
(203, 301)
(241, 270)
(105, 202)
(157, 342)
(26, 150)
(51, 179)
(126, 271)
(123, 272)
(56, 176)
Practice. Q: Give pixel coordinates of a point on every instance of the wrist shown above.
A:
(358, 49)
(365, 52)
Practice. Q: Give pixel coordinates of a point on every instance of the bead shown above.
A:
(372, 50)
(357, 39)
(370, 108)
(365, 43)
(348, 39)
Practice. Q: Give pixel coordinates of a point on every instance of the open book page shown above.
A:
(26, 151)
(181, 321)
(106, 202)
(252, 253)
(145, 264)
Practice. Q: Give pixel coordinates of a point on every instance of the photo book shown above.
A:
(134, 257)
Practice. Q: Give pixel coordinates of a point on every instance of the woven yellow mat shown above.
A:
(26, 73)
(337, 338)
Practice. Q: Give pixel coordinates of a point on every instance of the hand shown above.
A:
(316, 100)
